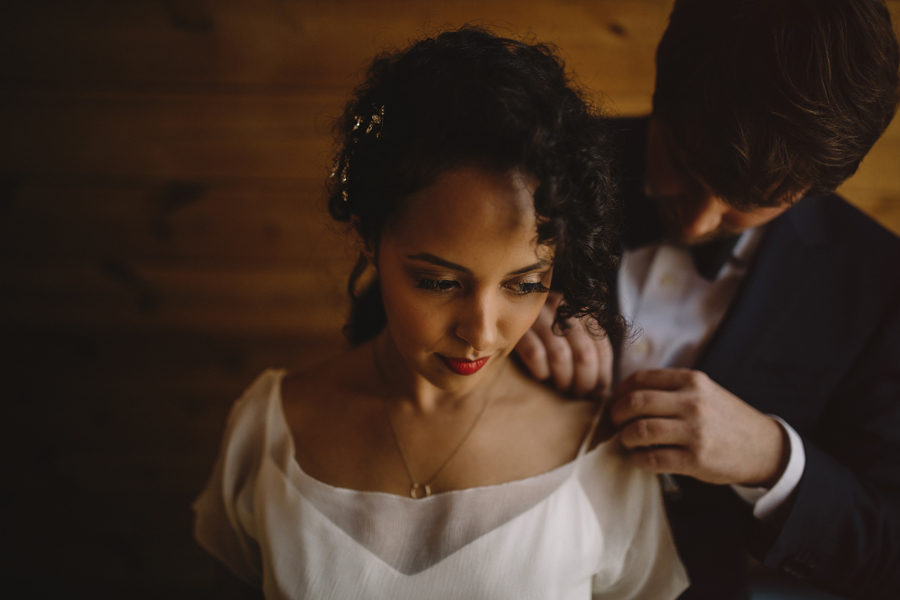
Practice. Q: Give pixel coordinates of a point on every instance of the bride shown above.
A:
(421, 462)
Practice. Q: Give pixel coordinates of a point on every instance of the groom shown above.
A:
(765, 368)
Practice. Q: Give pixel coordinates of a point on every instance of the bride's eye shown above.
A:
(436, 285)
(527, 287)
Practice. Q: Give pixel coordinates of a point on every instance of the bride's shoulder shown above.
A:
(546, 399)
(329, 376)
(578, 412)
(332, 378)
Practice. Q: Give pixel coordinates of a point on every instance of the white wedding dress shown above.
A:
(593, 528)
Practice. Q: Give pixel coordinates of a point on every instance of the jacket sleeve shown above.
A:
(842, 531)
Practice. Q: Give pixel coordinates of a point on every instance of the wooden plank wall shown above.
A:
(163, 239)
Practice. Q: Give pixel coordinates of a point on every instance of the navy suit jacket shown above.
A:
(813, 336)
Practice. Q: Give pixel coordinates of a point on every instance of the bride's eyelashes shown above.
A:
(521, 288)
(437, 285)
(536, 287)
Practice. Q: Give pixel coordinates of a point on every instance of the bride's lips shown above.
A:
(462, 366)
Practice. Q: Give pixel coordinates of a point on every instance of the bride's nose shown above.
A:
(476, 321)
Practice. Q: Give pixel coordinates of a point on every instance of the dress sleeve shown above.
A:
(225, 512)
(641, 561)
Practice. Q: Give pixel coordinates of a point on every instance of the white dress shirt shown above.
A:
(675, 312)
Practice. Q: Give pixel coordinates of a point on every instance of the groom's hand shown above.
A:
(579, 361)
(681, 421)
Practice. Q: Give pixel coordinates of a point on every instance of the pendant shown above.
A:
(418, 491)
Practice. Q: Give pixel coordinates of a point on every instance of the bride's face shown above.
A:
(462, 275)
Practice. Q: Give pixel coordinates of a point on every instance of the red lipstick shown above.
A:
(462, 366)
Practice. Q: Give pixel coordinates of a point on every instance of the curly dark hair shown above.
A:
(469, 97)
(769, 98)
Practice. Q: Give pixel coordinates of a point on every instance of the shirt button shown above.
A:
(667, 280)
(642, 348)
(797, 568)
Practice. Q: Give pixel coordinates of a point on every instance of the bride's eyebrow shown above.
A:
(538, 265)
(440, 262)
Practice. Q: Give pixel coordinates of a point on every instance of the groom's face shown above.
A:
(691, 211)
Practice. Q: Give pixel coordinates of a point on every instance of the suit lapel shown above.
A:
(777, 283)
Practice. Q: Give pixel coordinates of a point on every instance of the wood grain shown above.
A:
(163, 238)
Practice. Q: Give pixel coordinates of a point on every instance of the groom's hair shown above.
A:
(768, 98)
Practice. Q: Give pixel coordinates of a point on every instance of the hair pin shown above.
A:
(377, 119)
(344, 182)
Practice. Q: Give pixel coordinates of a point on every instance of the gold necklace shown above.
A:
(419, 490)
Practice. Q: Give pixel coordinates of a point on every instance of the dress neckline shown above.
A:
(583, 452)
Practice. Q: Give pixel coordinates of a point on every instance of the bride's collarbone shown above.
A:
(343, 437)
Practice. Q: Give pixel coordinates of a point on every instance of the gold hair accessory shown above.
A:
(344, 180)
(377, 118)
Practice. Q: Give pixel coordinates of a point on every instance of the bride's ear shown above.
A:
(363, 244)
